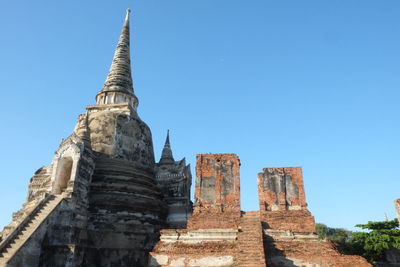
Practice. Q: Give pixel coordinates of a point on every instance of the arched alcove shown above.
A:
(64, 169)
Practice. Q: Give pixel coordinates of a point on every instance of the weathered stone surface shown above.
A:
(198, 236)
(179, 262)
(104, 172)
(39, 187)
(175, 180)
(116, 131)
(159, 260)
(212, 261)
(208, 261)
(118, 86)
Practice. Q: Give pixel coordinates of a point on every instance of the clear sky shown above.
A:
(281, 83)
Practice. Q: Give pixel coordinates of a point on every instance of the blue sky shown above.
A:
(281, 83)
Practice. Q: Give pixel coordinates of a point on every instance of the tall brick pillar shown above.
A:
(217, 192)
(282, 200)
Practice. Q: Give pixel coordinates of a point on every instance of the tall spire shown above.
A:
(166, 155)
(119, 78)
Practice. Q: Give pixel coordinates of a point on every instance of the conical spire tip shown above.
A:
(167, 139)
(128, 11)
(166, 155)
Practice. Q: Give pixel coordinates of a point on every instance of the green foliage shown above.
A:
(386, 225)
(371, 244)
(374, 244)
(339, 236)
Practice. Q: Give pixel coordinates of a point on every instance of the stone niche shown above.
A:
(217, 192)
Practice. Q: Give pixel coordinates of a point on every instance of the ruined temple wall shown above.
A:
(126, 212)
(122, 209)
(309, 253)
(65, 227)
(214, 253)
(217, 192)
(296, 221)
(39, 187)
(281, 189)
(289, 228)
(71, 216)
(31, 253)
(282, 200)
(210, 238)
(67, 234)
(281, 234)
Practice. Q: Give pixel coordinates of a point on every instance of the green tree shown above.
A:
(381, 237)
(373, 243)
(338, 236)
(322, 230)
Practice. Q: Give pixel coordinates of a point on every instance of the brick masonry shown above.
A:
(309, 253)
(282, 200)
(281, 233)
(281, 189)
(217, 192)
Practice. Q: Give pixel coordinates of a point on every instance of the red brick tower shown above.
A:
(282, 200)
(217, 192)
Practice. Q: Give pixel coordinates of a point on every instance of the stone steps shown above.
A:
(250, 241)
(26, 231)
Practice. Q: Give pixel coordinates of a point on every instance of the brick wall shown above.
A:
(298, 221)
(217, 192)
(282, 200)
(281, 189)
(218, 234)
(314, 253)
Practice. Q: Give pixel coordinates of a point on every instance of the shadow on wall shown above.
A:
(274, 256)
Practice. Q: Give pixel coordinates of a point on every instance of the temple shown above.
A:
(104, 200)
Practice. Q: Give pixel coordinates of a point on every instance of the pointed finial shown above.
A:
(128, 11)
(119, 79)
(167, 140)
(166, 155)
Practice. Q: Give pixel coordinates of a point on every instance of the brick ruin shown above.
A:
(104, 200)
(282, 200)
(217, 192)
(281, 233)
